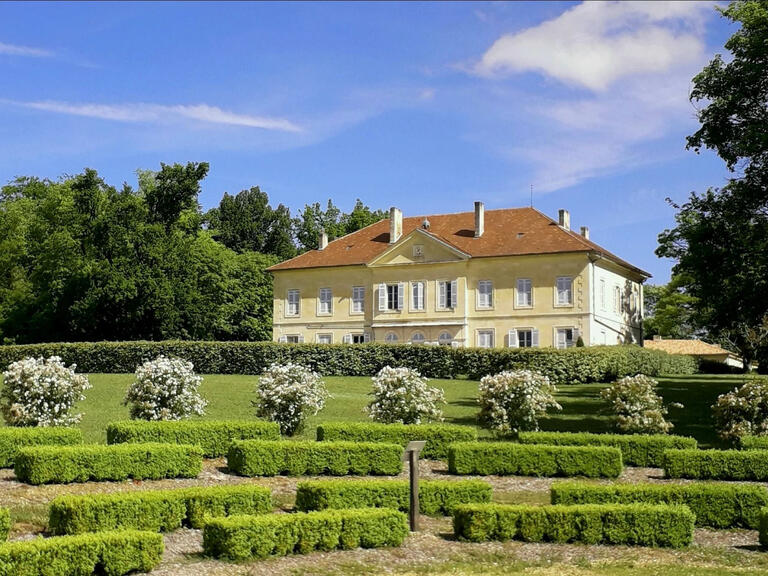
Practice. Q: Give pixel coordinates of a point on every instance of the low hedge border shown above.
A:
(754, 442)
(5, 523)
(154, 510)
(214, 437)
(113, 553)
(244, 537)
(506, 458)
(645, 450)
(717, 464)
(437, 436)
(436, 497)
(301, 458)
(763, 527)
(715, 504)
(12, 438)
(64, 464)
(633, 524)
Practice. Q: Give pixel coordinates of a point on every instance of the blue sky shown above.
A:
(427, 107)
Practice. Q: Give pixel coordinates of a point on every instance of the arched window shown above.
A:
(391, 337)
(445, 339)
(418, 338)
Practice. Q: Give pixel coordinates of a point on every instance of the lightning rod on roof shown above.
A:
(531, 195)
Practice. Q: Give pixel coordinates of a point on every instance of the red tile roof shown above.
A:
(508, 232)
(691, 347)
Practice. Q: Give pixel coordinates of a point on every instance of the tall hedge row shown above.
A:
(574, 365)
(13, 438)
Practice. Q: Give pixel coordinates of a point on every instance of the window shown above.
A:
(485, 294)
(485, 339)
(417, 338)
(324, 305)
(417, 295)
(391, 296)
(602, 294)
(523, 338)
(447, 294)
(324, 338)
(564, 291)
(358, 338)
(294, 338)
(445, 339)
(294, 306)
(566, 337)
(617, 299)
(391, 337)
(358, 299)
(524, 293)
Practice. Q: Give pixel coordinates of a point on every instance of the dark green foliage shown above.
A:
(754, 442)
(571, 366)
(63, 464)
(214, 437)
(715, 504)
(636, 449)
(5, 523)
(296, 458)
(438, 436)
(507, 458)
(763, 527)
(11, 439)
(154, 510)
(717, 464)
(633, 524)
(109, 553)
(245, 537)
(436, 497)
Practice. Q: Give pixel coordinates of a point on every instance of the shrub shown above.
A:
(753, 443)
(514, 401)
(436, 497)
(165, 389)
(154, 510)
(11, 439)
(637, 407)
(743, 411)
(41, 392)
(214, 437)
(288, 394)
(484, 458)
(633, 524)
(5, 523)
(245, 537)
(295, 458)
(402, 395)
(437, 436)
(636, 449)
(110, 553)
(715, 504)
(763, 528)
(717, 464)
(63, 464)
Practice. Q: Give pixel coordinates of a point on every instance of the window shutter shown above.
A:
(513, 343)
(283, 339)
(347, 339)
(400, 295)
(301, 339)
(535, 338)
(382, 297)
(441, 303)
(366, 337)
(454, 290)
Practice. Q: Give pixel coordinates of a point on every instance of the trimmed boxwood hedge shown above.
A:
(155, 510)
(636, 449)
(436, 497)
(507, 458)
(213, 436)
(12, 438)
(5, 523)
(763, 527)
(303, 458)
(244, 537)
(717, 464)
(63, 464)
(570, 366)
(715, 504)
(438, 436)
(633, 524)
(754, 442)
(111, 553)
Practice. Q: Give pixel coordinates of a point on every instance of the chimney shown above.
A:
(564, 219)
(585, 232)
(323, 241)
(479, 219)
(395, 224)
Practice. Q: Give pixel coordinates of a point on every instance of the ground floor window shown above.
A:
(565, 337)
(418, 338)
(525, 338)
(445, 339)
(485, 339)
(324, 338)
(390, 337)
(356, 338)
(294, 339)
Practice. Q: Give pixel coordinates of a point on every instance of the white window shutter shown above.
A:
(400, 295)
(301, 339)
(366, 336)
(454, 291)
(513, 343)
(382, 297)
(283, 339)
(441, 300)
(535, 338)
(347, 339)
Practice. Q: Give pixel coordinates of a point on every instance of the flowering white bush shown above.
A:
(743, 411)
(41, 392)
(514, 400)
(402, 395)
(636, 406)
(165, 389)
(287, 394)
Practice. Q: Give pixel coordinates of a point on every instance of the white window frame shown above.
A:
(441, 302)
(420, 299)
(294, 338)
(322, 300)
(558, 303)
(602, 293)
(391, 338)
(445, 341)
(327, 335)
(488, 285)
(418, 341)
(617, 299)
(357, 298)
(568, 343)
(485, 331)
(513, 338)
(288, 295)
(518, 292)
(350, 337)
(384, 297)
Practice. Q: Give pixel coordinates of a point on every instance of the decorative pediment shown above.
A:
(419, 247)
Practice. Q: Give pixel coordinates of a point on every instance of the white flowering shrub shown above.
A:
(514, 400)
(743, 411)
(402, 395)
(288, 394)
(165, 389)
(41, 392)
(636, 406)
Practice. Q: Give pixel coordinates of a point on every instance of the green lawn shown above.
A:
(229, 397)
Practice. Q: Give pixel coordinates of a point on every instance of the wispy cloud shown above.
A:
(160, 113)
(29, 51)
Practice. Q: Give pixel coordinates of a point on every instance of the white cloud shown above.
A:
(597, 43)
(16, 50)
